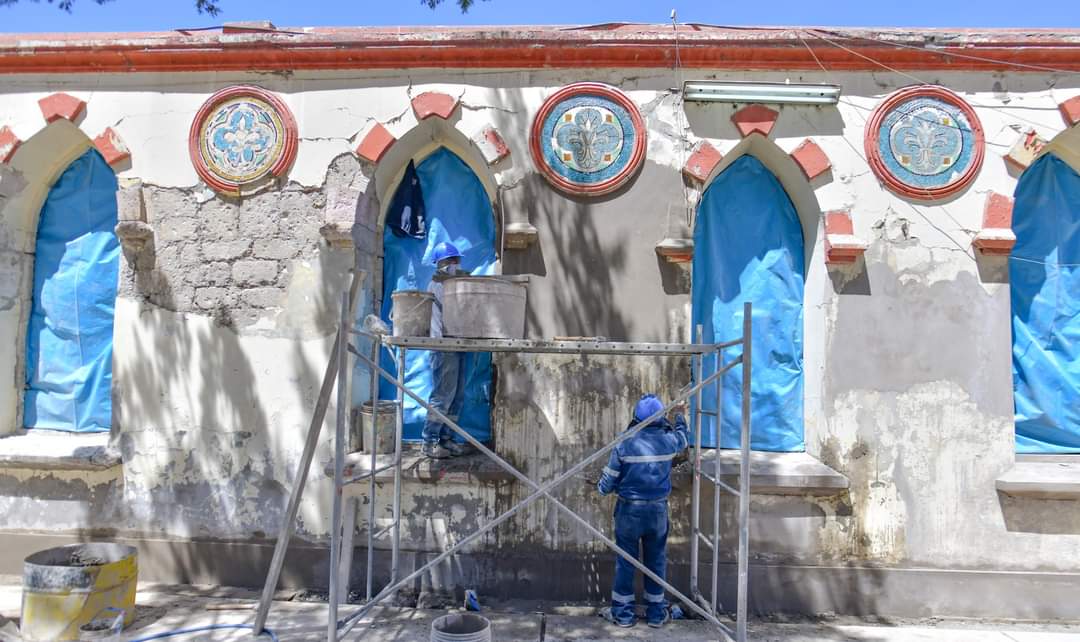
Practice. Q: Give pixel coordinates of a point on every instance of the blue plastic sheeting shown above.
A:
(1044, 273)
(459, 211)
(748, 246)
(69, 342)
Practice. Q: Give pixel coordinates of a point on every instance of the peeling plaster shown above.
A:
(218, 360)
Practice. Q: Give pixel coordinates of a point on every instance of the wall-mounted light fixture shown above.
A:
(760, 92)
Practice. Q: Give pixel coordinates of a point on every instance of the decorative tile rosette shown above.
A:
(925, 143)
(241, 139)
(588, 138)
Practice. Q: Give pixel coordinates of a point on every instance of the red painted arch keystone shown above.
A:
(112, 147)
(9, 142)
(702, 162)
(61, 105)
(432, 103)
(755, 118)
(811, 159)
(491, 145)
(376, 142)
(1070, 110)
(841, 244)
(996, 235)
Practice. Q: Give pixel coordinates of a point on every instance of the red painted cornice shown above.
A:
(616, 45)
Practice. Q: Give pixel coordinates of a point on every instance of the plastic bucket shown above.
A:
(410, 313)
(484, 307)
(68, 586)
(383, 421)
(461, 627)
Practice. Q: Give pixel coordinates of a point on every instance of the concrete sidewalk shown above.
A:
(164, 608)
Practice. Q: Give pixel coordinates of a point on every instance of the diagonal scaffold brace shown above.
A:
(705, 608)
(539, 491)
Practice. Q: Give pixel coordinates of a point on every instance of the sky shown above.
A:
(160, 15)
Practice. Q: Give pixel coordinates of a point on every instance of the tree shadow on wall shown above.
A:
(578, 295)
(204, 460)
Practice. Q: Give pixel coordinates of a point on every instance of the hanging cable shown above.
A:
(862, 157)
(866, 58)
(953, 54)
(680, 118)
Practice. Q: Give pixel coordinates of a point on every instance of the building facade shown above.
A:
(909, 461)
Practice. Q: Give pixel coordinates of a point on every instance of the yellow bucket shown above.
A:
(66, 587)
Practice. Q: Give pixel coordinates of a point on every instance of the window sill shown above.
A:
(1042, 477)
(774, 473)
(474, 468)
(52, 450)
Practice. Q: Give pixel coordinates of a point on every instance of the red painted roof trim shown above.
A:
(702, 47)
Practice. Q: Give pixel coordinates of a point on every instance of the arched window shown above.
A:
(458, 210)
(70, 332)
(748, 246)
(1044, 278)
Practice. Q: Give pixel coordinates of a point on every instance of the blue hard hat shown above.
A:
(647, 406)
(445, 250)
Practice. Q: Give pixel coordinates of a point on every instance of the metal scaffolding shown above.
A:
(341, 539)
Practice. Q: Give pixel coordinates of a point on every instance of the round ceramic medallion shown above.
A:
(241, 138)
(588, 138)
(925, 142)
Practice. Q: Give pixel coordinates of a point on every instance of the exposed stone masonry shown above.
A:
(233, 258)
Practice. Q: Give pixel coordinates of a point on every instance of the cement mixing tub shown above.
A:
(411, 313)
(484, 307)
(66, 587)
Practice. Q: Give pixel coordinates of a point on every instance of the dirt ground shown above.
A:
(162, 608)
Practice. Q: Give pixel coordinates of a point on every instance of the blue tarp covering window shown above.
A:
(69, 339)
(1044, 275)
(748, 246)
(458, 210)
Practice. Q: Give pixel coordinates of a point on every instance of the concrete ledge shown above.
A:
(54, 450)
(474, 468)
(776, 473)
(1057, 478)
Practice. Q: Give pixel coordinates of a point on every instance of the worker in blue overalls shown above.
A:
(447, 370)
(639, 469)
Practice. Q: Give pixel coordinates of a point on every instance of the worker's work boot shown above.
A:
(456, 449)
(607, 614)
(436, 451)
(657, 622)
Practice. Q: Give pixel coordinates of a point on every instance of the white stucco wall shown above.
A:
(213, 417)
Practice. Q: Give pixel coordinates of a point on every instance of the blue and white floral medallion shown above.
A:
(242, 138)
(925, 143)
(588, 138)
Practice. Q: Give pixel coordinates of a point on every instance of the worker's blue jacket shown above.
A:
(640, 467)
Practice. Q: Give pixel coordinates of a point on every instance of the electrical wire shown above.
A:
(864, 57)
(953, 54)
(203, 629)
(966, 250)
(680, 116)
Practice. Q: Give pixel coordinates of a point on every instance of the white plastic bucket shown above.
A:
(411, 313)
(461, 627)
(484, 307)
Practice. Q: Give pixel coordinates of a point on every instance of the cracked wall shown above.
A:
(224, 325)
